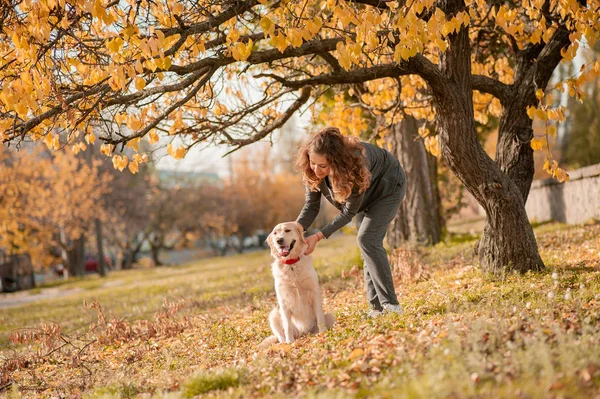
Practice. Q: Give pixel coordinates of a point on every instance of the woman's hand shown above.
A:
(312, 241)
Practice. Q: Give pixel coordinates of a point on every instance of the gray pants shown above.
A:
(372, 226)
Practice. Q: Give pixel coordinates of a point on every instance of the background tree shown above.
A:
(48, 202)
(127, 206)
(177, 68)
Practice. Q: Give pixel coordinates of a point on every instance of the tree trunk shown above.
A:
(131, 254)
(509, 242)
(80, 256)
(156, 243)
(155, 255)
(514, 154)
(100, 247)
(419, 219)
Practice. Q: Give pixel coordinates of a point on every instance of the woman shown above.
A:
(362, 180)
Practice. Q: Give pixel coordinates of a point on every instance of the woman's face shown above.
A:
(319, 164)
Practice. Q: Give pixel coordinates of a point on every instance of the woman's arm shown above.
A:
(350, 209)
(309, 212)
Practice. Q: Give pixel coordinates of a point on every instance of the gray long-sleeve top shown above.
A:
(386, 174)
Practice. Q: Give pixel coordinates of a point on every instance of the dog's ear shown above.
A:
(269, 239)
(300, 231)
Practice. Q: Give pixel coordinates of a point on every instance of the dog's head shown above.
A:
(287, 241)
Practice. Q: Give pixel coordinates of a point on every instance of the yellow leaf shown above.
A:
(241, 51)
(139, 68)
(180, 152)
(541, 114)
(48, 140)
(129, 31)
(140, 83)
(441, 43)
(279, 41)
(538, 144)
(90, 138)
(539, 94)
(423, 131)
(164, 63)
(177, 7)
(133, 167)
(153, 137)
(314, 25)
(536, 36)
(233, 36)
(134, 143)
(106, 149)
(295, 37)
(150, 64)
(267, 25)
(432, 145)
(552, 131)
(547, 165)
(122, 164)
(22, 110)
(115, 44)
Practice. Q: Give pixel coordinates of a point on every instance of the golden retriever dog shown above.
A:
(299, 309)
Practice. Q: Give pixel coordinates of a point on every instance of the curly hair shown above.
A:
(345, 155)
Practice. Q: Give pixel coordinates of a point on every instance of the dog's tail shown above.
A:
(270, 340)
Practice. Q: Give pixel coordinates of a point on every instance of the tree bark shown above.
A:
(157, 242)
(419, 219)
(509, 242)
(514, 155)
(80, 256)
(100, 247)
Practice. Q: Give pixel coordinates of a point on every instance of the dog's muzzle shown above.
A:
(284, 250)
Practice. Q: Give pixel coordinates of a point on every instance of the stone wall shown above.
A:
(575, 201)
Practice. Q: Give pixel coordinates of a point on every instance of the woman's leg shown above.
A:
(372, 230)
(369, 285)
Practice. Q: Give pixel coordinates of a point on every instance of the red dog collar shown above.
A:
(291, 261)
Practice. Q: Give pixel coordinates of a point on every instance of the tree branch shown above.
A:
(239, 143)
(492, 86)
(164, 114)
(260, 57)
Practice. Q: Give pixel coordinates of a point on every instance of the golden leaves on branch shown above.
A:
(241, 51)
(552, 168)
(120, 162)
(177, 153)
(432, 144)
(544, 113)
(107, 149)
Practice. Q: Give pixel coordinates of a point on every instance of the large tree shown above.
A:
(181, 69)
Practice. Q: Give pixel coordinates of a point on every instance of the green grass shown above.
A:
(463, 334)
(212, 381)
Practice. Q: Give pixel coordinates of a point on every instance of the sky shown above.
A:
(211, 160)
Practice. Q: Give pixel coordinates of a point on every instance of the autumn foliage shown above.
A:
(48, 200)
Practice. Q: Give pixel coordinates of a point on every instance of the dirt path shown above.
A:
(8, 300)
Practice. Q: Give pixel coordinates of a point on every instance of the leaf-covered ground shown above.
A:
(195, 330)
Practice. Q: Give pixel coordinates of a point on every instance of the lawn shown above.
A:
(195, 330)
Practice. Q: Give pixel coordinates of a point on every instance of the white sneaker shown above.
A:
(388, 308)
(373, 313)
